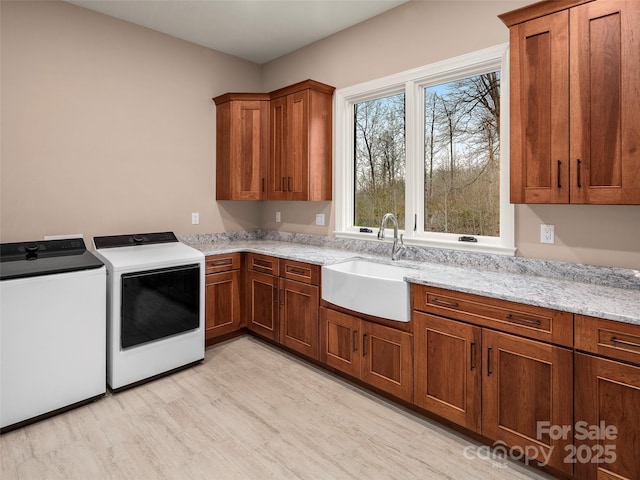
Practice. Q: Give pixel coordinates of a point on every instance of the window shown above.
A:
(431, 146)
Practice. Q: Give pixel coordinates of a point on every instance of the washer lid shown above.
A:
(149, 256)
(45, 257)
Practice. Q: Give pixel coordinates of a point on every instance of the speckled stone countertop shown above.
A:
(610, 293)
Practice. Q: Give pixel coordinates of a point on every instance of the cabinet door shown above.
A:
(297, 158)
(525, 383)
(605, 102)
(278, 181)
(340, 341)
(299, 329)
(222, 303)
(262, 304)
(242, 133)
(447, 369)
(607, 397)
(387, 359)
(539, 86)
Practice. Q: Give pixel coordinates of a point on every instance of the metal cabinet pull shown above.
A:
(625, 342)
(364, 345)
(559, 165)
(489, 372)
(523, 320)
(473, 351)
(355, 340)
(579, 173)
(263, 184)
(444, 304)
(297, 271)
(275, 294)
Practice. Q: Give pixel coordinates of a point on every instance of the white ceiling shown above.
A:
(256, 30)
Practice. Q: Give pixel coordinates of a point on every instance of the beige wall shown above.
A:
(419, 33)
(108, 127)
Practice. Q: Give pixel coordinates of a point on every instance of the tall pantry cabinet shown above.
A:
(575, 102)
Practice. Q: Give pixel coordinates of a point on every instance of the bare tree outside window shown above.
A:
(462, 156)
(379, 156)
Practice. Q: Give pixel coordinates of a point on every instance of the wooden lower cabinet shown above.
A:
(222, 295)
(447, 369)
(299, 316)
(378, 355)
(505, 387)
(607, 397)
(262, 304)
(526, 389)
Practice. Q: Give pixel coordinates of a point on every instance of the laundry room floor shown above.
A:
(249, 411)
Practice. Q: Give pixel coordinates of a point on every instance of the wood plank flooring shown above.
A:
(249, 411)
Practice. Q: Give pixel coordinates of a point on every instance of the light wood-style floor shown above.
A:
(249, 411)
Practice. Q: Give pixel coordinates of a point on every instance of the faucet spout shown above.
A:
(398, 247)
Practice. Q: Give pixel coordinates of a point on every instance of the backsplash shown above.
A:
(597, 275)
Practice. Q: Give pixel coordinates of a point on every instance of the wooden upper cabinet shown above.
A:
(242, 136)
(575, 103)
(300, 150)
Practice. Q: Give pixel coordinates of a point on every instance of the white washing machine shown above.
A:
(155, 306)
(52, 329)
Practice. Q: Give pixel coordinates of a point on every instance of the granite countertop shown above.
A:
(586, 290)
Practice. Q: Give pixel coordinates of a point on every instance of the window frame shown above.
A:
(412, 83)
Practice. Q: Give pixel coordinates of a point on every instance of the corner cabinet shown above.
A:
(575, 102)
(242, 136)
(275, 146)
(300, 150)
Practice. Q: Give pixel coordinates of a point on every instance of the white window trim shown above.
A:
(412, 83)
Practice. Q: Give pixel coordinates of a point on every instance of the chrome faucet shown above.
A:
(398, 249)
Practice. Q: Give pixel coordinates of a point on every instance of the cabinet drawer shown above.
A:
(263, 264)
(529, 321)
(300, 271)
(222, 263)
(608, 338)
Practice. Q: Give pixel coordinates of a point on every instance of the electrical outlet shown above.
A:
(319, 218)
(195, 218)
(278, 217)
(547, 234)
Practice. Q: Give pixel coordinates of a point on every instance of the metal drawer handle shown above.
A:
(523, 320)
(297, 271)
(489, 372)
(222, 262)
(624, 342)
(579, 173)
(444, 304)
(559, 165)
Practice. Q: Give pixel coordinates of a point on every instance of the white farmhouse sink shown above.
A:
(368, 287)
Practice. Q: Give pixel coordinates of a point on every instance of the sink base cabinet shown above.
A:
(379, 356)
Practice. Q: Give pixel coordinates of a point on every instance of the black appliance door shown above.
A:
(159, 303)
